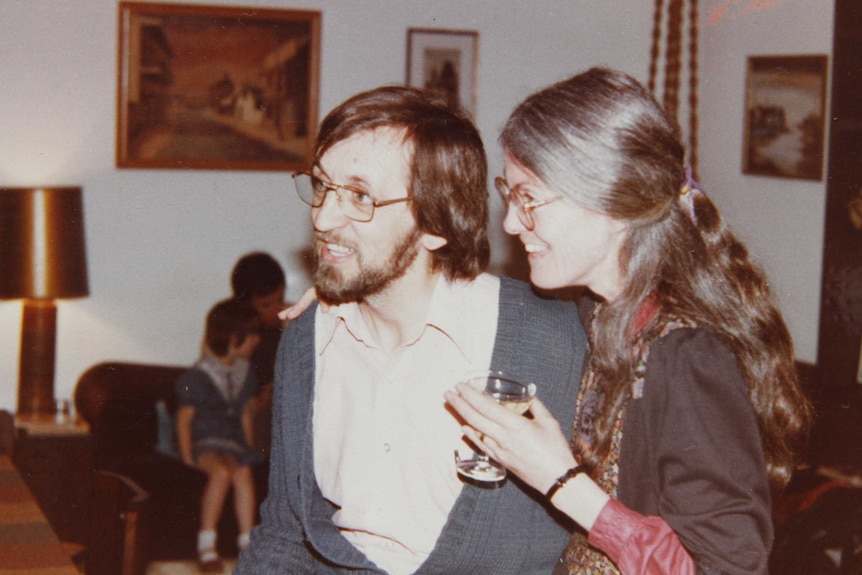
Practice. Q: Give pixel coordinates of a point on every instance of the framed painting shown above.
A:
(211, 87)
(785, 116)
(444, 60)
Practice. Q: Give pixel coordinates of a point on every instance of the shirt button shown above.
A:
(386, 447)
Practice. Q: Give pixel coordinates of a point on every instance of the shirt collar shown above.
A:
(211, 364)
(446, 314)
(219, 372)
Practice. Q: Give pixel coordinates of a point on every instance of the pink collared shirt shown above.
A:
(383, 440)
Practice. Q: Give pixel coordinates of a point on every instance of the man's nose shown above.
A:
(329, 214)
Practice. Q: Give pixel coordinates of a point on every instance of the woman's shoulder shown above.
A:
(686, 339)
(691, 357)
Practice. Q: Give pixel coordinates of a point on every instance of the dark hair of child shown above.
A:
(256, 274)
(228, 319)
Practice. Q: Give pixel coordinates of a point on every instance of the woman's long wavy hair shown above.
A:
(603, 141)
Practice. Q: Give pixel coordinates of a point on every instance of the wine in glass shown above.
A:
(511, 394)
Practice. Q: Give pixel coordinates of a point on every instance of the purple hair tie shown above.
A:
(686, 194)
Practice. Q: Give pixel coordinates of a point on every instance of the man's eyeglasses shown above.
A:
(524, 206)
(354, 203)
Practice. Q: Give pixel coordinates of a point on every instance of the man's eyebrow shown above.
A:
(352, 180)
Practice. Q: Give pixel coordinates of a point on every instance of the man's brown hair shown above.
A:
(448, 171)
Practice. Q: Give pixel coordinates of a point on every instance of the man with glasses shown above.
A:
(363, 473)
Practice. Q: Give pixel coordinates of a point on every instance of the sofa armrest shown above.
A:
(118, 400)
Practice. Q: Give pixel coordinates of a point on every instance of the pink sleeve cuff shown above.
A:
(638, 544)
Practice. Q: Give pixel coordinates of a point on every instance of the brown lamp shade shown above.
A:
(42, 253)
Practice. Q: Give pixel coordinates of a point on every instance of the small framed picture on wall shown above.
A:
(785, 116)
(444, 60)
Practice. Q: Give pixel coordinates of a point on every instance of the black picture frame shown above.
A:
(446, 60)
(785, 116)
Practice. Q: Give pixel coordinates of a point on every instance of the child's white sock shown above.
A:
(206, 540)
(242, 540)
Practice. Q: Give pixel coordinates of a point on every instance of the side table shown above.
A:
(55, 459)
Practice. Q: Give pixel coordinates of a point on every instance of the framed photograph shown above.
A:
(210, 87)
(785, 116)
(444, 60)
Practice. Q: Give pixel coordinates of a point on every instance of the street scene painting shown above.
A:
(784, 119)
(208, 87)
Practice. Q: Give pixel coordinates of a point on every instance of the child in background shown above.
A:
(214, 421)
(258, 279)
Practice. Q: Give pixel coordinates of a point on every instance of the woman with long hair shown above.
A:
(689, 411)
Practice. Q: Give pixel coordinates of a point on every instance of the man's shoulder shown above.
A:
(541, 324)
(519, 293)
(298, 335)
(305, 321)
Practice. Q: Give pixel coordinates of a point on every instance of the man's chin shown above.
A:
(334, 297)
(332, 289)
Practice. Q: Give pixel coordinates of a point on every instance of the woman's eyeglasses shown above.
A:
(524, 205)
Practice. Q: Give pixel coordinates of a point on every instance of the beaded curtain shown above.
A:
(673, 15)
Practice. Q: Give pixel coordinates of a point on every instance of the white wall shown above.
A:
(781, 220)
(161, 242)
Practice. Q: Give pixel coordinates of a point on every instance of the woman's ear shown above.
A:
(433, 243)
(619, 226)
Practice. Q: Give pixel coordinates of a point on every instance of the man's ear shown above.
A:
(433, 243)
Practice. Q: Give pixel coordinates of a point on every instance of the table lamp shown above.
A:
(42, 258)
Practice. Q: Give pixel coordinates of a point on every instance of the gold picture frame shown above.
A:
(212, 87)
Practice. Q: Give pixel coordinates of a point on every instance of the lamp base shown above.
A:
(38, 348)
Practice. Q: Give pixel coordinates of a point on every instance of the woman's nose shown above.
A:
(512, 224)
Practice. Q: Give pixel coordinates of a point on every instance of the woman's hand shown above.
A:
(300, 306)
(533, 449)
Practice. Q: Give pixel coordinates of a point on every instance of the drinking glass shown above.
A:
(508, 392)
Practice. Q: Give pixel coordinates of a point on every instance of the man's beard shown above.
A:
(334, 289)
